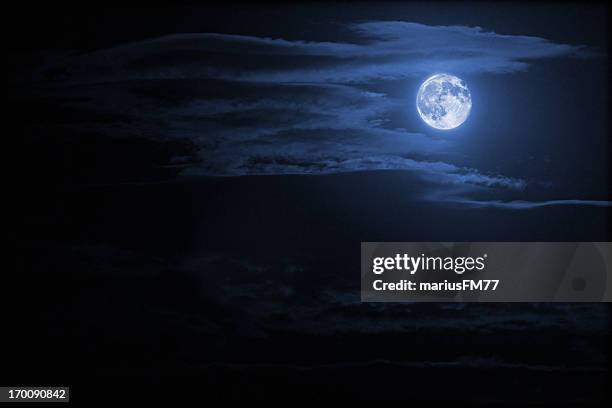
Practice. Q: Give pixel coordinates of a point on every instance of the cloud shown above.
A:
(527, 205)
(372, 51)
(268, 106)
(265, 294)
(263, 129)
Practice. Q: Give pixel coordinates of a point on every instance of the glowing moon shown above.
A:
(444, 101)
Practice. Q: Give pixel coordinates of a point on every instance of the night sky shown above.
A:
(195, 182)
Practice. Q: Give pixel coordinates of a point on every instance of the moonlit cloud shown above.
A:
(527, 205)
(263, 106)
(378, 50)
(293, 129)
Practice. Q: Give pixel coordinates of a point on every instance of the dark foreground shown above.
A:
(248, 288)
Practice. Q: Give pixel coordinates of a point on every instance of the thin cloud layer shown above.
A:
(376, 50)
(268, 106)
(527, 205)
(263, 129)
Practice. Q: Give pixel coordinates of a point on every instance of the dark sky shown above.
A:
(319, 89)
(196, 181)
(571, 22)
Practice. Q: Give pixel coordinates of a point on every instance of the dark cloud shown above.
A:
(265, 294)
(265, 129)
(526, 205)
(387, 50)
(261, 106)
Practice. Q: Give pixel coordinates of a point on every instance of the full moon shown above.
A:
(444, 101)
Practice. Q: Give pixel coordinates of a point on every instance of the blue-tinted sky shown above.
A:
(196, 182)
(334, 91)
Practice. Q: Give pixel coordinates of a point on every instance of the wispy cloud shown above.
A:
(375, 50)
(527, 205)
(293, 129)
(260, 106)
